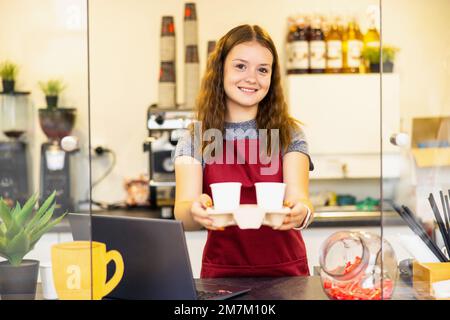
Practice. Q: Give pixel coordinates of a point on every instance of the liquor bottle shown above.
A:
(354, 47)
(372, 36)
(317, 47)
(298, 47)
(334, 49)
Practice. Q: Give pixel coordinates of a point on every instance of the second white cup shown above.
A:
(226, 195)
(270, 195)
(48, 287)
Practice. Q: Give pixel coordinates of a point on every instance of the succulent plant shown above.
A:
(20, 229)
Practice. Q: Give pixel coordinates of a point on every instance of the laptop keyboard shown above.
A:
(205, 295)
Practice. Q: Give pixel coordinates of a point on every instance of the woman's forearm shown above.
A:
(183, 212)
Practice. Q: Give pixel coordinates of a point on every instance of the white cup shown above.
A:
(226, 196)
(270, 195)
(48, 287)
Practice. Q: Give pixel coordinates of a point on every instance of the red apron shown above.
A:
(237, 252)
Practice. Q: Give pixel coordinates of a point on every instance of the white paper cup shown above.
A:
(226, 196)
(48, 287)
(270, 195)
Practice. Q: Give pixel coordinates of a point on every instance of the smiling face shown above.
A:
(247, 75)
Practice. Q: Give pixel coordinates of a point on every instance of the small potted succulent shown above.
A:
(372, 56)
(52, 89)
(8, 73)
(20, 229)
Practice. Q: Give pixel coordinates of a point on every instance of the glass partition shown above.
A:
(44, 148)
(415, 165)
(145, 78)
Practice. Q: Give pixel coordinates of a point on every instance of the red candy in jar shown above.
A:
(355, 267)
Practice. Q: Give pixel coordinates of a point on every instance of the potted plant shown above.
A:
(52, 89)
(55, 122)
(372, 56)
(20, 230)
(8, 73)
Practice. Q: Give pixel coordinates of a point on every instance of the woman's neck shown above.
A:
(239, 113)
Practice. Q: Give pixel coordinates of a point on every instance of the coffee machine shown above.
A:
(15, 170)
(165, 126)
(56, 123)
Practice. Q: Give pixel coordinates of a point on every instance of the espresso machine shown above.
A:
(165, 127)
(56, 123)
(15, 170)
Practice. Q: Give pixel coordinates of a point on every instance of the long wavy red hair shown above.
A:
(211, 101)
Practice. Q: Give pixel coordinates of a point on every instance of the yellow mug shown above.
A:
(79, 270)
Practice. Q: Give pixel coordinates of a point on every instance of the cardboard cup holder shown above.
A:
(248, 216)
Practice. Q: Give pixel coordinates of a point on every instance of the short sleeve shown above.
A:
(299, 144)
(185, 147)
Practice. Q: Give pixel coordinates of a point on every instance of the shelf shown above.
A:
(431, 157)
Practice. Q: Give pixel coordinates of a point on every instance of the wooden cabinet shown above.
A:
(345, 123)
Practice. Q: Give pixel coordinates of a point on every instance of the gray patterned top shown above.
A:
(243, 130)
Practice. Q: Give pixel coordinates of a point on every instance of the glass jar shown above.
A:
(357, 265)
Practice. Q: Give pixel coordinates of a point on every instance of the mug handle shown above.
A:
(115, 256)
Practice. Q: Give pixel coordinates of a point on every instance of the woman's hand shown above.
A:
(199, 213)
(296, 217)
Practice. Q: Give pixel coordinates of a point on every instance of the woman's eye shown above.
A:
(263, 70)
(240, 66)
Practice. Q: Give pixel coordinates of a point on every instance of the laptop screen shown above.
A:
(154, 252)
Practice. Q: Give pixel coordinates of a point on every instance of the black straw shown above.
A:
(421, 232)
(448, 213)
(444, 209)
(440, 223)
(418, 229)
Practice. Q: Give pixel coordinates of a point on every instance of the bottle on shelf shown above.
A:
(334, 49)
(372, 36)
(298, 47)
(317, 46)
(353, 47)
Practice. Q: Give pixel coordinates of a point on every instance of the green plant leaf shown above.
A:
(5, 213)
(23, 215)
(16, 258)
(41, 211)
(52, 87)
(37, 223)
(13, 230)
(16, 210)
(44, 219)
(37, 235)
(18, 247)
(8, 70)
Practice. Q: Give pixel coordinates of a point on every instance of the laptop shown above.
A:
(155, 255)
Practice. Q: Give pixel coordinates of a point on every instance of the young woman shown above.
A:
(240, 94)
